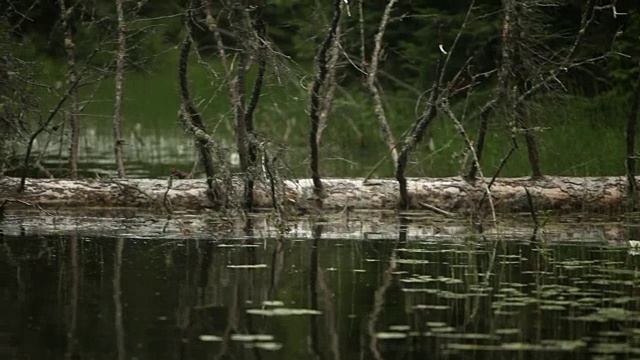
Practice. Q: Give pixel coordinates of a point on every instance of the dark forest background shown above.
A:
(597, 88)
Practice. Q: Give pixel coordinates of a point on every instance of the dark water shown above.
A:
(95, 297)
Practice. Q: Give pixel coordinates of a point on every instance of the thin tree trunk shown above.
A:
(260, 29)
(236, 87)
(387, 134)
(532, 148)
(194, 123)
(69, 47)
(329, 94)
(518, 71)
(239, 83)
(415, 137)
(482, 135)
(631, 137)
(119, 80)
(318, 82)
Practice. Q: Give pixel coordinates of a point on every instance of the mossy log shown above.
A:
(454, 194)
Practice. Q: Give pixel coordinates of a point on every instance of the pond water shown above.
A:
(90, 295)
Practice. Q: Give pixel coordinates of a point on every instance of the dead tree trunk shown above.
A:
(247, 35)
(193, 121)
(239, 83)
(513, 77)
(69, 46)
(326, 103)
(318, 82)
(482, 135)
(631, 137)
(118, 142)
(372, 85)
(415, 136)
(260, 30)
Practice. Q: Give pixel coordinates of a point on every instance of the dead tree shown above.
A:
(239, 83)
(118, 142)
(319, 81)
(260, 31)
(69, 46)
(192, 119)
(372, 85)
(515, 66)
(631, 137)
(529, 67)
(326, 104)
(44, 125)
(250, 35)
(415, 136)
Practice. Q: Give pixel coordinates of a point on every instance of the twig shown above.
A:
(436, 210)
(35, 206)
(447, 110)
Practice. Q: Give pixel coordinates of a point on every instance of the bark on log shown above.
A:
(566, 194)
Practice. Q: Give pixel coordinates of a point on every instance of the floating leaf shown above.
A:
(251, 337)
(248, 266)
(399, 327)
(552, 307)
(443, 329)
(510, 331)
(391, 335)
(210, 338)
(272, 303)
(283, 312)
(411, 261)
(436, 324)
(269, 346)
(431, 307)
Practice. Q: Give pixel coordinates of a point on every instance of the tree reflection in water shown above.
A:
(249, 297)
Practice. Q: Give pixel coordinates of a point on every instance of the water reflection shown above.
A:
(75, 296)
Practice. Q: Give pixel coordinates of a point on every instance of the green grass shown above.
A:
(580, 136)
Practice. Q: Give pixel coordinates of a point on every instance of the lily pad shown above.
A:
(283, 312)
(247, 266)
(210, 338)
(391, 335)
(251, 337)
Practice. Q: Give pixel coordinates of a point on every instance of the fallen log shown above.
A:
(453, 194)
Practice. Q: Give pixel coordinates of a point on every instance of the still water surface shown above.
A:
(96, 297)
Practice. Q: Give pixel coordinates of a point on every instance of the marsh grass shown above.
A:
(578, 136)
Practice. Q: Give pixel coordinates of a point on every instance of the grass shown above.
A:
(578, 136)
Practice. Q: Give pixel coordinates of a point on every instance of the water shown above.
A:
(433, 292)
